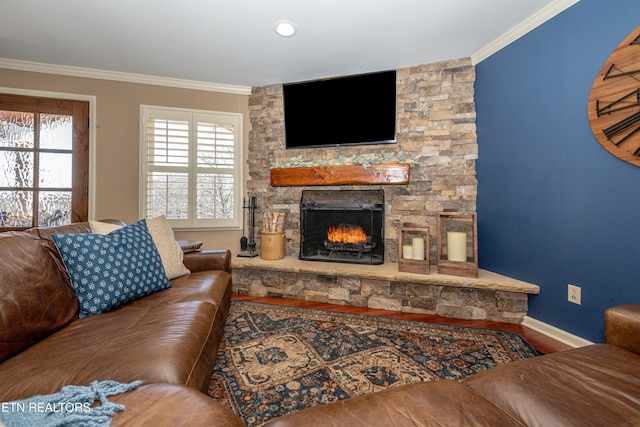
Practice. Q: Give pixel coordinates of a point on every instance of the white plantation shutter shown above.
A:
(167, 180)
(215, 167)
(191, 167)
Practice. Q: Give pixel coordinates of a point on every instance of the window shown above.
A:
(191, 167)
(44, 161)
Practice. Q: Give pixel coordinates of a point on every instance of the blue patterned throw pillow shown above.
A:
(109, 270)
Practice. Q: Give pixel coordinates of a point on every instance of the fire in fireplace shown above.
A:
(351, 234)
(348, 239)
(342, 226)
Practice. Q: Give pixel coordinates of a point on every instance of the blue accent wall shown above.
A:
(554, 207)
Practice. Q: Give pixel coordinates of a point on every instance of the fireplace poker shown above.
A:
(251, 245)
(243, 239)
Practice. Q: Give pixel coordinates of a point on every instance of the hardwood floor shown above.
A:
(539, 341)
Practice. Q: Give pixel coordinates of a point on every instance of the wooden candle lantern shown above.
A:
(458, 243)
(413, 249)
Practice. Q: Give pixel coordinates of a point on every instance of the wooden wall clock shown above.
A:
(614, 102)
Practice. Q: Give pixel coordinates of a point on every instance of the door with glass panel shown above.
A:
(44, 161)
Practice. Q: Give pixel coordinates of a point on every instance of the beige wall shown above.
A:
(117, 133)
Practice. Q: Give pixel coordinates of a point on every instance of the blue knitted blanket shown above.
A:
(71, 406)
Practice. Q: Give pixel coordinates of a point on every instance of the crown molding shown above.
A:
(91, 73)
(542, 16)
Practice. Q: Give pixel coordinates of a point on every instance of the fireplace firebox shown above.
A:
(342, 226)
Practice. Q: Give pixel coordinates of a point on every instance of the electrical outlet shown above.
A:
(575, 294)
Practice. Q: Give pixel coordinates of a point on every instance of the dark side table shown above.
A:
(189, 245)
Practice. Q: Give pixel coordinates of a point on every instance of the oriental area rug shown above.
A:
(275, 359)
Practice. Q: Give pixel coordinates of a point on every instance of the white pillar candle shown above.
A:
(417, 244)
(457, 246)
(407, 251)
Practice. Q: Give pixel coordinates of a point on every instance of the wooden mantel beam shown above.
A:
(341, 175)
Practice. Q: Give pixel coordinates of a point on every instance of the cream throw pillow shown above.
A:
(161, 232)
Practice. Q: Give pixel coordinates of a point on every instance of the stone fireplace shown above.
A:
(436, 121)
(342, 226)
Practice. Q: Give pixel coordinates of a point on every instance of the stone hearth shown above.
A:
(490, 296)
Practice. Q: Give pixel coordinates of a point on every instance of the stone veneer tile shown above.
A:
(385, 303)
(461, 312)
(426, 303)
(353, 284)
(316, 296)
(339, 294)
(375, 287)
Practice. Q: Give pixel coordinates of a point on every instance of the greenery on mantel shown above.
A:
(365, 160)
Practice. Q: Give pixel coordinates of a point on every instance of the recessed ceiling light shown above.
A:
(285, 28)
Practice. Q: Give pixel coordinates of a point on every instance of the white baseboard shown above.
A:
(555, 333)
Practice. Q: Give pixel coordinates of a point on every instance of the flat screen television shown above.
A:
(351, 110)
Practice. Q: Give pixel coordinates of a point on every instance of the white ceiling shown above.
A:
(233, 42)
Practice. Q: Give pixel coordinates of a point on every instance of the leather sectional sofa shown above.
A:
(168, 339)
